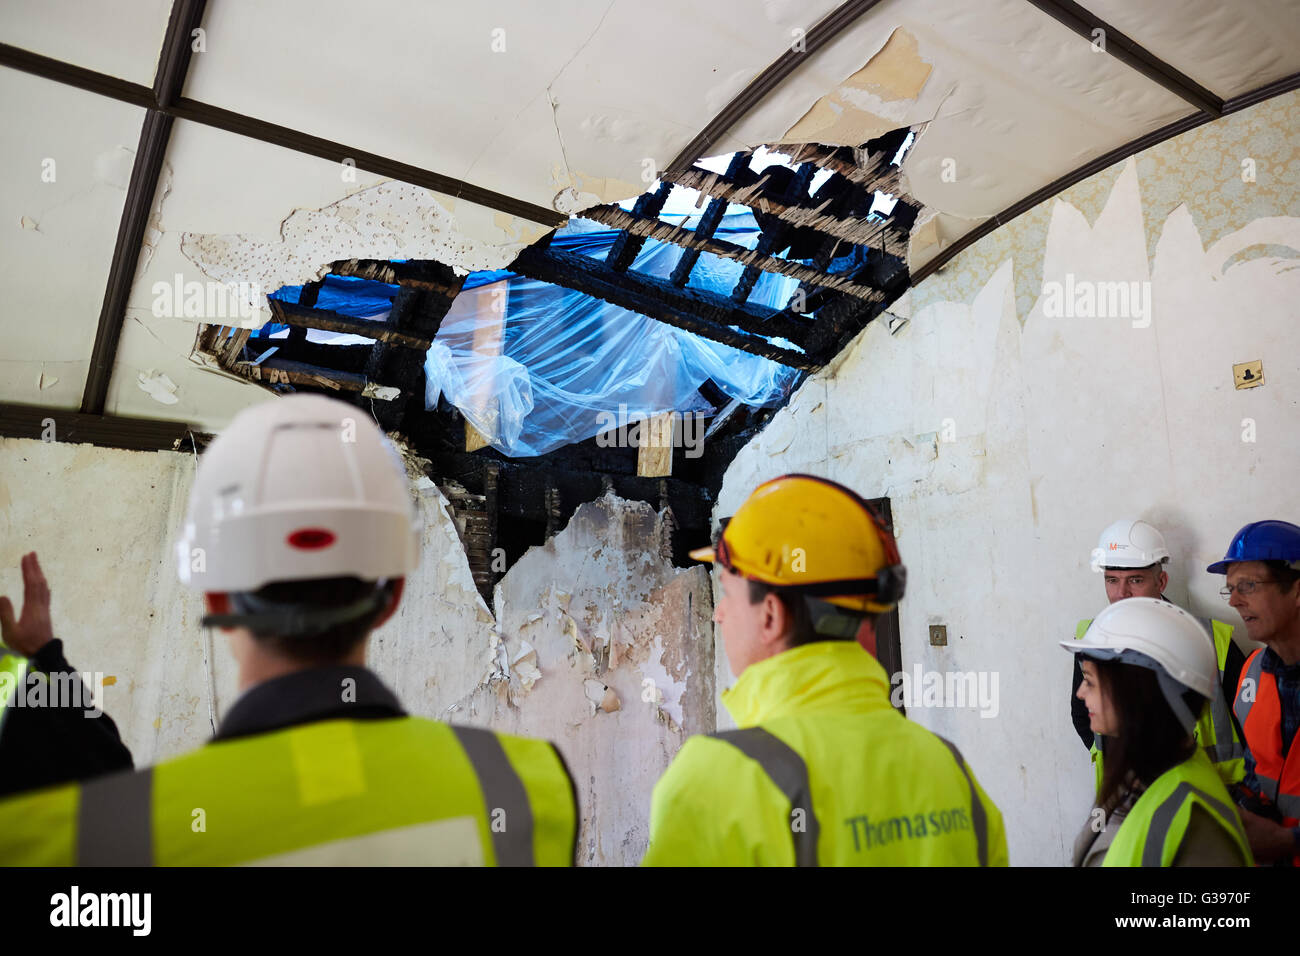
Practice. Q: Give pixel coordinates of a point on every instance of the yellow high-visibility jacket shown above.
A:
(333, 792)
(823, 772)
(1153, 831)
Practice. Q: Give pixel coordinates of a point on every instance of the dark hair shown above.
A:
(802, 630)
(335, 643)
(1151, 740)
(1282, 572)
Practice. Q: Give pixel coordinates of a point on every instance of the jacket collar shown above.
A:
(825, 676)
(319, 693)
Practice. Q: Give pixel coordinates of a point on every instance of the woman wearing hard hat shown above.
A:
(1149, 668)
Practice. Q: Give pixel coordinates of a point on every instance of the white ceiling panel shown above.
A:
(1229, 48)
(574, 93)
(121, 38)
(1012, 99)
(58, 235)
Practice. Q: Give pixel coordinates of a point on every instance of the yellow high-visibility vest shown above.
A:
(1153, 830)
(403, 790)
(13, 670)
(823, 772)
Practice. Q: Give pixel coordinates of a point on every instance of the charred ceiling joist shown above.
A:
(849, 262)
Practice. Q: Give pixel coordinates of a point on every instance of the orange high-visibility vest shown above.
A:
(1258, 707)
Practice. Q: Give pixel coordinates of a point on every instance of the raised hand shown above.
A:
(32, 630)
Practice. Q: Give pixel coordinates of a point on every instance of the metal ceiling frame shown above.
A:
(173, 62)
(66, 425)
(231, 122)
(1085, 23)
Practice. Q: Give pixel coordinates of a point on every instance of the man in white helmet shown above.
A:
(300, 532)
(1131, 555)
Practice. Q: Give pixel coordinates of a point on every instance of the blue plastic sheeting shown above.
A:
(361, 298)
(533, 366)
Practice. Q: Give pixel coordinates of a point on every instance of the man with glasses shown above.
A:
(1263, 585)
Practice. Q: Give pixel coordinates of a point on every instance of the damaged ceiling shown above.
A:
(164, 144)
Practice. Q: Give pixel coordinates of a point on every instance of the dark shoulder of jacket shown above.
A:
(1206, 842)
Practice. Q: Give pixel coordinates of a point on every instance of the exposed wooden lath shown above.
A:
(687, 239)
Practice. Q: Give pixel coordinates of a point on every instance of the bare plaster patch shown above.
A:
(872, 101)
(391, 220)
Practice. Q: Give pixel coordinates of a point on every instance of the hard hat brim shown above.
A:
(1219, 567)
(1079, 647)
(704, 554)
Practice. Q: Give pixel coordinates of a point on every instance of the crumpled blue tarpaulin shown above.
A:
(533, 366)
(563, 365)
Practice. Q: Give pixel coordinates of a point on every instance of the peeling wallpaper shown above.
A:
(1201, 169)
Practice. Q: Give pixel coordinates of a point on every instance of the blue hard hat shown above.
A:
(1261, 541)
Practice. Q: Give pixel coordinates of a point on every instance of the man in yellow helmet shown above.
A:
(823, 771)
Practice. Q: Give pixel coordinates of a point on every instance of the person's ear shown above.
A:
(774, 620)
(218, 602)
(1162, 582)
(867, 635)
(399, 587)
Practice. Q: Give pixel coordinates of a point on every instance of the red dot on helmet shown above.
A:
(311, 539)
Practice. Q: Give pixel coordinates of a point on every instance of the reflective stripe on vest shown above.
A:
(979, 819)
(1162, 821)
(1279, 776)
(1254, 668)
(502, 790)
(1153, 831)
(115, 820)
(788, 771)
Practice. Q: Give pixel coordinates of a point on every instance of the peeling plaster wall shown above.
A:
(1006, 438)
(103, 522)
(603, 647)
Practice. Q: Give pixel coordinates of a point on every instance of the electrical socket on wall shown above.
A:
(938, 635)
(1248, 374)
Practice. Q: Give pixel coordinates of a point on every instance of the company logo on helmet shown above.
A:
(311, 539)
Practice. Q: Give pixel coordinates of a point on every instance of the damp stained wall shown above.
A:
(1006, 438)
(603, 647)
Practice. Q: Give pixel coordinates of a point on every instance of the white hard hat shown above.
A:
(1130, 544)
(1156, 634)
(295, 489)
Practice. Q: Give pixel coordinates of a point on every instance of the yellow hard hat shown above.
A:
(811, 534)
